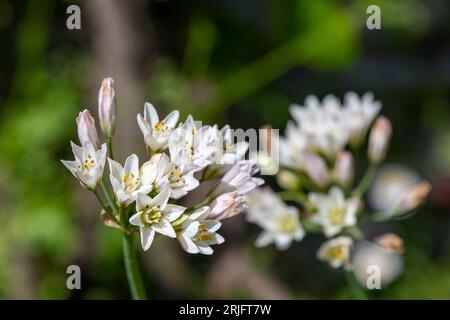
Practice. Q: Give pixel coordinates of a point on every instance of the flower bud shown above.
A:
(86, 129)
(288, 180)
(414, 197)
(343, 169)
(107, 107)
(391, 242)
(380, 136)
(317, 170)
(227, 205)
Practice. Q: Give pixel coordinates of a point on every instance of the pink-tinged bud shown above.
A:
(391, 242)
(86, 129)
(414, 197)
(317, 170)
(343, 169)
(227, 205)
(380, 136)
(107, 107)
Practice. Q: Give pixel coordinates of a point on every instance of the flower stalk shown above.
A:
(130, 260)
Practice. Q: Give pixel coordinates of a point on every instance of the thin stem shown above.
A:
(366, 180)
(356, 233)
(99, 199)
(293, 196)
(134, 276)
(108, 196)
(110, 148)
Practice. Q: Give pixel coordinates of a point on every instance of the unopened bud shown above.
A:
(391, 242)
(414, 197)
(288, 180)
(107, 107)
(86, 129)
(227, 205)
(380, 136)
(317, 170)
(343, 169)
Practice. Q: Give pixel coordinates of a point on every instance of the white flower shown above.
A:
(177, 177)
(199, 144)
(261, 203)
(156, 133)
(324, 124)
(334, 212)
(336, 252)
(227, 205)
(88, 164)
(198, 232)
(280, 222)
(232, 152)
(282, 228)
(128, 181)
(293, 147)
(359, 113)
(326, 127)
(239, 179)
(155, 215)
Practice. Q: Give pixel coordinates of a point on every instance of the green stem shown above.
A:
(356, 233)
(108, 196)
(134, 276)
(99, 199)
(293, 196)
(110, 148)
(366, 180)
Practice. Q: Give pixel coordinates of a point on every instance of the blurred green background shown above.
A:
(227, 61)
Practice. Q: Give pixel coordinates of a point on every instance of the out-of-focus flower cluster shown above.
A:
(317, 174)
(184, 159)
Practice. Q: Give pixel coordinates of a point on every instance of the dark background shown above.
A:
(228, 61)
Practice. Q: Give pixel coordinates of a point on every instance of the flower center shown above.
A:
(175, 177)
(229, 148)
(336, 253)
(151, 215)
(130, 182)
(89, 162)
(287, 224)
(337, 216)
(160, 126)
(202, 233)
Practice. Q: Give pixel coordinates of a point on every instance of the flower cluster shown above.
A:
(184, 159)
(317, 175)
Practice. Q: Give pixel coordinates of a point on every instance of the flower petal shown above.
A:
(164, 227)
(147, 236)
(150, 114)
(136, 220)
(142, 200)
(188, 245)
(173, 212)
(172, 118)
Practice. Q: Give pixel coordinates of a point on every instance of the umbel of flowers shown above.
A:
(317, 175)
(184, 159)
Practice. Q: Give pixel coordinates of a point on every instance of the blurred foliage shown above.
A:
(237, 62)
